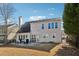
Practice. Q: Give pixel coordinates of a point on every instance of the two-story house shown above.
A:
(46, 30)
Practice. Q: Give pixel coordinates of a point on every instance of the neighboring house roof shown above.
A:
(25, 28)
(7, 25)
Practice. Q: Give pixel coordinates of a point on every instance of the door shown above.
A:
(27, 41)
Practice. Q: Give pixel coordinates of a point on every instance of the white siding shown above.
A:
(22, 34)
(36, 28)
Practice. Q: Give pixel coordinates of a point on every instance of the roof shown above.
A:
(25, 28)
(7, 25)
(41, 20)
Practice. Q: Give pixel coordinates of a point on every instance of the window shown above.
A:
(34, 37)
(49, 26)
(26, 36)
(23, 36)
(42, 26)
(56, 25)
(52, 25)
(19, 36)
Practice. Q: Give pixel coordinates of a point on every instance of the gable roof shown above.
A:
(25, 28)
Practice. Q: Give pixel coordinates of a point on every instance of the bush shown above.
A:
(73, 41)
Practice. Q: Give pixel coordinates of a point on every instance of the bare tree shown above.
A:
(6, 12)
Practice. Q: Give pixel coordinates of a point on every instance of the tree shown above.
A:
(71, 20)
(6, 12)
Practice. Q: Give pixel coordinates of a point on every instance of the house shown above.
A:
(11, 32)
(2, 31)
(45, 30)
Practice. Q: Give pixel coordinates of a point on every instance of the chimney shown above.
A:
(20, 21)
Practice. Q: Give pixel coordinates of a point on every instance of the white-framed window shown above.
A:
(19, 36)
(33, 36)
(26, 36)
(23, 36)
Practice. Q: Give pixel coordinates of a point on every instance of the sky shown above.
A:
(35, 11)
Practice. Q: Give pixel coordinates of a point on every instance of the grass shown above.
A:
(11, 51)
